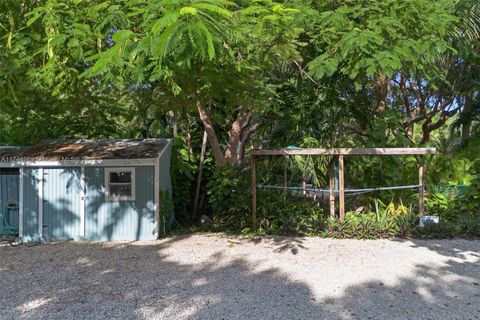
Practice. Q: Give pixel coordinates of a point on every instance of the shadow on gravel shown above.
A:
(77, 280)
(451, 291)
(136, 282)
(282, 244)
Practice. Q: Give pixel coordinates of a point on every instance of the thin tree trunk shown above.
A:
(410, 131)
(466, 126)
(381, 91)
(174, 123)
(145, 131)
(188, 141)
(246, 134)
(199, 176)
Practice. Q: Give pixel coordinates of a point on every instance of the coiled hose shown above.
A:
(7, 228)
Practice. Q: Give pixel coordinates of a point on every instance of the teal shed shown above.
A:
(85, 189)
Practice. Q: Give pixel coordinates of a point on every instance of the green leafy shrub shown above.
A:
(229, 195)
(442, 229)
(292, 216)
(167, 208)
(469, 226)
(361, 226)
(184, 168)
(406, 224)
(389, 221)
(299, 216)
(469, 202)
(441, 204)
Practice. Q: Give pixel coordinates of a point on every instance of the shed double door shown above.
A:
(61, 204)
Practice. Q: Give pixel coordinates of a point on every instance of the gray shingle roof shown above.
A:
(80, 149)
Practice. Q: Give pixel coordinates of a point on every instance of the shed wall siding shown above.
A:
(61, 203)
(165, 179)
(120, 220)
(104, 220)
(9, 184)
(30, 205)
(166, 183)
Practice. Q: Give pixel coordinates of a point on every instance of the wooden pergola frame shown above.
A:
(338, 155)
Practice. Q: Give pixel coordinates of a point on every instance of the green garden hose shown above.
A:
(7, 228)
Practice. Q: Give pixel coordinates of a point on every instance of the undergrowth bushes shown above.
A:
(470, 225)
(277, 215)
(229, 196)
(290, 216)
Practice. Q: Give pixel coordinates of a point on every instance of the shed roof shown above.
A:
(80, 149)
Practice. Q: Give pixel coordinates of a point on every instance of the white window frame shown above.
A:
(108, 196)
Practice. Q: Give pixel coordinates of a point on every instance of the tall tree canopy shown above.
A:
(348, 72)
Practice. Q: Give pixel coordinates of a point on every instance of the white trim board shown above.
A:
(156, 189)
(20, 203)
(83, 197)
(41, 183)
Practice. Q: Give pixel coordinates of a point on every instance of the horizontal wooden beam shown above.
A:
(344, 151)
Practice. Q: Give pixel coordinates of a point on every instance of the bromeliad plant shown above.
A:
(388, 221)
(299, 216)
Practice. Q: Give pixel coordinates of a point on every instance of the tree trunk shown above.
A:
(188, 141)
(410, 131)
(173, 120)
(212, 135)
(145, 131)
(238, 135)
(381, 92)
(246, 134)
(234, 135)
(467, 122)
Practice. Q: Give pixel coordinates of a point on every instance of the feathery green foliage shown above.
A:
(256, 73)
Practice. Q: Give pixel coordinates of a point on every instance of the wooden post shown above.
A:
(421, 192)
(254, 195)
(285, 183)
(199, 176)
(341, 187)
(331, 172)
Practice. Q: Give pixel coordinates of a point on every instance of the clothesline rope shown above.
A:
(357, 191)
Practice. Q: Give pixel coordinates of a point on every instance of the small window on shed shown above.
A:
(119, 184)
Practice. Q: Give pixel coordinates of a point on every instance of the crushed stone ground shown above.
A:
(213, 276)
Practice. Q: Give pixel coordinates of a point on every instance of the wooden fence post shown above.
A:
(331, 172)
(421, 193)
(254, 194)
(285, 180)
(341, 187)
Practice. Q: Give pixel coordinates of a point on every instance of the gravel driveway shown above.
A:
(222, 277)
